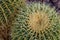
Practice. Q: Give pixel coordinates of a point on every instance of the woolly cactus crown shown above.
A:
(36, 22)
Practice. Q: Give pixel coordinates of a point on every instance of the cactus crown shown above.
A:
(38, 21)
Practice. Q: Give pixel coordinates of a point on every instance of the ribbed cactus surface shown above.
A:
(8, 10)
(36, 22)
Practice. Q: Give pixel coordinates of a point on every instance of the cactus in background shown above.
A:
(8, 11)
(36, 22)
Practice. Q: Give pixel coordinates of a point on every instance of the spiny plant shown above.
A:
(8, 11)
(36, 22)
(6, 14)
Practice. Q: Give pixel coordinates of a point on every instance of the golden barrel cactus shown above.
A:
(8, 11)
(36, 21)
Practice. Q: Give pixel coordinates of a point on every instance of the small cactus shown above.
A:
(36, 22)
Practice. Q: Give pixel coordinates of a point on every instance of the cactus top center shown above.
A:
(38, 21)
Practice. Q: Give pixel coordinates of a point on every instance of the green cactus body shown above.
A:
(8, 10)
(36, 22)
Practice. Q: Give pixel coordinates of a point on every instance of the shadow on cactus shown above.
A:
(36, 22)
